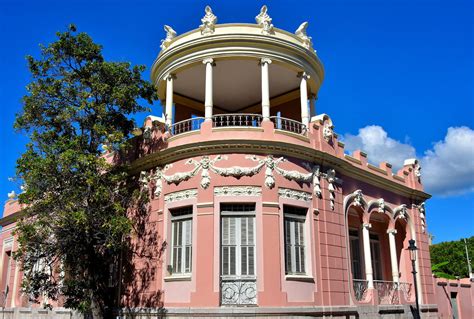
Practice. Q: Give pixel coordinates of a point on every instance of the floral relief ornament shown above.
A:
(358, 198)
(331, 178)
(422, 211)
(208, 22)
(381, 206)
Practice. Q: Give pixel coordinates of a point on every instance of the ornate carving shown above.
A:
(170, 35)
(12, 195)
(301, 33)
(328, 132)
(264, 20)
(381, 205)
(237, 171)
(208, 22)
(238, 191)
(144, 181)
(358, 198)
(181, 195)
(422, 211)
(180, 177)
(331, 178)
(401, 212)
(158, 179)
(294, 194)
(417, 170)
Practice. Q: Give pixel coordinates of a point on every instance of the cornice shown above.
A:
(265, 147)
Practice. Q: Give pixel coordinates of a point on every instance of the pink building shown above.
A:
(255, 208)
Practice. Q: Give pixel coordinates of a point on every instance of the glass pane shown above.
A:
(232, 261)
(243, 261)
(251, 261)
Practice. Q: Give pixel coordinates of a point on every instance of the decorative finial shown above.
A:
(170, 35)
(264, 20)
(11, 195)
(301, 33)
(208, 22)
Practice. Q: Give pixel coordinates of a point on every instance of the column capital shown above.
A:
(303, 75)
(208, 60)
(367, 225)
(170, 76)
(265, 60)
(391, 231)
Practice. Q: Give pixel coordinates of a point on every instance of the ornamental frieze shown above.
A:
(268, 163)
(181, 195)
(238, 191)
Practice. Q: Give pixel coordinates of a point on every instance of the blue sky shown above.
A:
(399, 75)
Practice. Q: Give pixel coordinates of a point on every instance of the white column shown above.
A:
(312, 105)
(393, 254)
(304, 98)
(367, 255)
(264, 62)
(208, 102)
(169, 99)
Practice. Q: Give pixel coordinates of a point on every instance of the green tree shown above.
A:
(450, 257)
(75, 217)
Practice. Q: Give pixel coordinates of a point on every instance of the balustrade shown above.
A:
(240, 119)
(186, 125)
(289, 125)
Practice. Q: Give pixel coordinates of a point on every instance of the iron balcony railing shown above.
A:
(238, 291)
(239, 119)
(360, 287)
(282, 123)
(188, 125)
(388, 292)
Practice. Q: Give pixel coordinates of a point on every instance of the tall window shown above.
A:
(375, 252)
(295, 256)
(356, 258)
(238, 240)
(181, 243)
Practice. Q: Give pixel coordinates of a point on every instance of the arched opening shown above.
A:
(356, 253)
(403, 258)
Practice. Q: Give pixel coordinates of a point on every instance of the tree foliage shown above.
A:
(75, 221)
(450, 257)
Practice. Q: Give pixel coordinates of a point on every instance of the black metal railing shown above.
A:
(360, 287)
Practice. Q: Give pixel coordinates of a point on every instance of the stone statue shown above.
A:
(208, 22)
(301, 33)
(170, 35)
(264, 20)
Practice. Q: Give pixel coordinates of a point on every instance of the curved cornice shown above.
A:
(176, 153)
(283, 47)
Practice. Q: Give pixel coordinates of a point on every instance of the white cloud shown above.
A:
(447, 168)
(374, 141)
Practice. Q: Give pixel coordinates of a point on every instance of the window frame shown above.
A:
(300, 219)
(238, 215)
(186, 221)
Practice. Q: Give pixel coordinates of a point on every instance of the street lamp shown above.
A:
(412, 248)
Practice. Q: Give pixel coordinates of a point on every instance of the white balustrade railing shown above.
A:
(282, 123)
(191, 124)
(239, 119)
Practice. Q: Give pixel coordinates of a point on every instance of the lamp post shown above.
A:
(412, 248)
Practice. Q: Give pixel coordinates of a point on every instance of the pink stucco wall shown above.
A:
(328, 280)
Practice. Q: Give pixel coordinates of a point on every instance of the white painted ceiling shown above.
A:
(237, 83)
